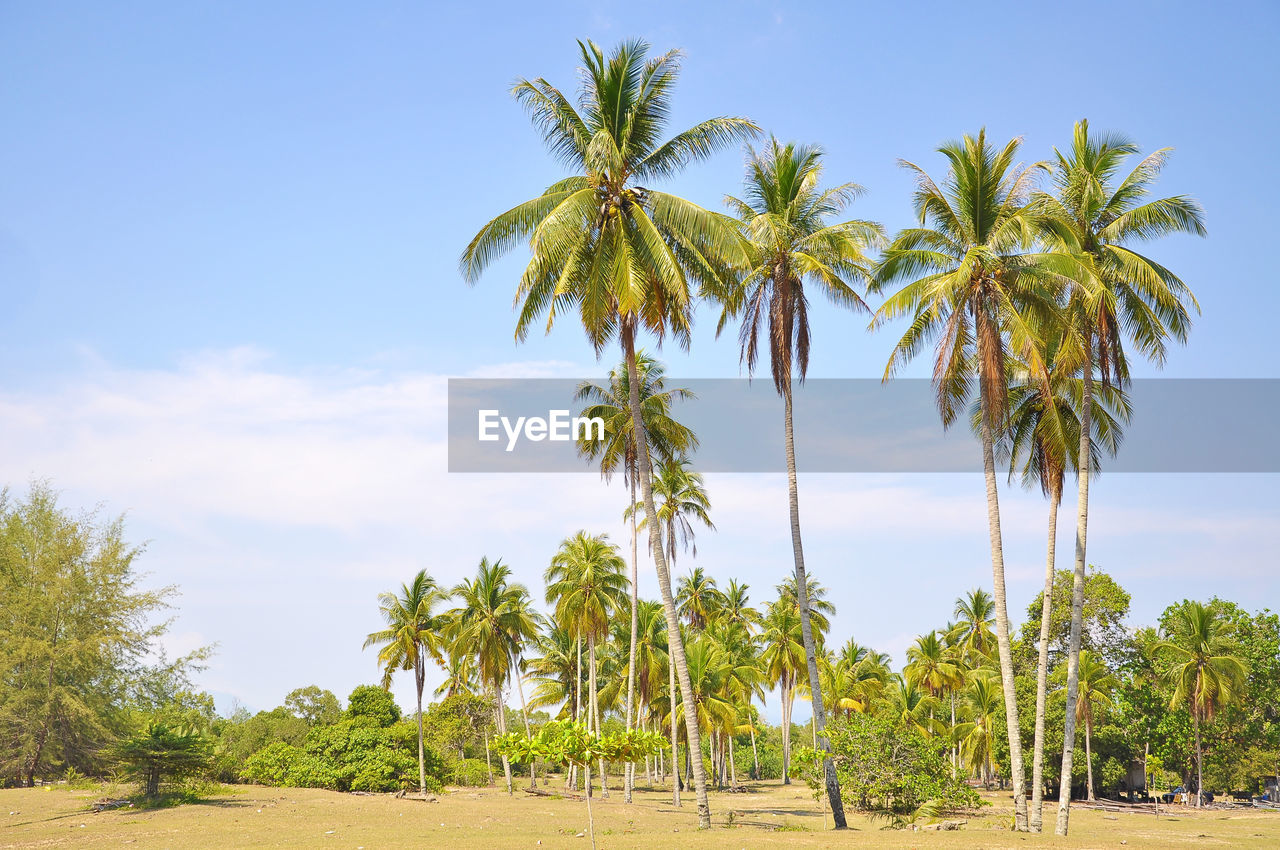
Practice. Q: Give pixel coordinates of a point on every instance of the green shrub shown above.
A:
(888, 768)
(469, 772)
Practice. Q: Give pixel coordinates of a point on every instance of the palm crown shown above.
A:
(616, 250)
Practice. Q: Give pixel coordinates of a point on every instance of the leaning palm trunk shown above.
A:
(1042, 666)
(675, 734)
(528, 731)
(806, 627)
(676, 646)
(1002, 621)
(1077, 596)
(755, 754)
(786, 733)
(630, 780)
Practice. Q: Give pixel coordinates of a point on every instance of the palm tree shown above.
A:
(975, 614)
(821, 609)
(586, 582)
(968, 282)
(459, 674)
(787, 216)
(1043, 427)
(1096, 685)
(493, 623)
(782, 656)
(626, 256)
(1203, 666)
(911, 705)
(618, 450)
(410, 638)
(1091, 217)
(736, 607)
(556, 671)
(710, 670)
(979, 703)
(699, 599)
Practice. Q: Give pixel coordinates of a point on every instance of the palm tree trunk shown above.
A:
(630, 780)
(675, 734)
(501, 712)
(1083, 464)
(488, 759)
(1042, 666)
(528, 731)
(1195, 720)
(806, 626)
(419, 675)
(1002, 621)
(755, 754)
(593, 704)
(955, 748)
(675, 644)
(733, 768)
(1088, 755)
(786, 734)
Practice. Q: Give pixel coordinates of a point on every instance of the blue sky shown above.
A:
(228, 246)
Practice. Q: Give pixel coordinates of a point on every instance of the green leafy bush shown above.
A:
(888, 768)
(469, 772)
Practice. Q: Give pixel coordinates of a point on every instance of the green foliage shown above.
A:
(76, 631)
(567, 742)
(369, 702)
(889, 767)
(159, 752)
(314, 706)
(467, 772)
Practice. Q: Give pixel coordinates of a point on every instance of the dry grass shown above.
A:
(770, 815)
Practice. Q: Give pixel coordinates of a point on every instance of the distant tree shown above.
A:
(316, 706)
(1203, 665)
(160, 752)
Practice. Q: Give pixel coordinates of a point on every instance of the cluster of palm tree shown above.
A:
(1016, 286)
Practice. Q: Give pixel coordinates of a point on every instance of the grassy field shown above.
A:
(768, 815)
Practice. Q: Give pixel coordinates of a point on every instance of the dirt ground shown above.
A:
(767, 815)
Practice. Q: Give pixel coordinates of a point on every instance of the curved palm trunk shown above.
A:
(630, 780)
(528, 731)
(806, 626)
(1042, 667)
(1077, 596)
(675, 735)
(420, 680)
(1002, 622)
(676, 646)
(755, 754)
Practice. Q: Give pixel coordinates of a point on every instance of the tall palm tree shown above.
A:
(1091, 216)
(409, 639)
(684, 499)
(618, 450)
(556, 671)
(493, 622)
(627, 257)
(968, 280)
(787, 216)
(1043, 429)
(586, 582)
(1096, 685)
(1203, 666)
